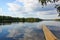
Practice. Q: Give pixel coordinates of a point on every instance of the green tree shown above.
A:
(44, 2)
(58, 9)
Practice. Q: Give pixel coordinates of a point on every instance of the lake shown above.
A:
(28, 30)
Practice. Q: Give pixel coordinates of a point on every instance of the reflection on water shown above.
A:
(28, 31)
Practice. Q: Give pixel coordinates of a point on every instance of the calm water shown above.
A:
(28, 31)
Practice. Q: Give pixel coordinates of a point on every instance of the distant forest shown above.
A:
(58, 19)
(5, 19)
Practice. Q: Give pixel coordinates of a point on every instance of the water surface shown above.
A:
(28, 31)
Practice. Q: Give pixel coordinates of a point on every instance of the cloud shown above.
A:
(1, 11)
(34, 5)
(27, 5)
(30, 8)
(13, 7)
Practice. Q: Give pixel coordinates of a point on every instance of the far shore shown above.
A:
(8, 19)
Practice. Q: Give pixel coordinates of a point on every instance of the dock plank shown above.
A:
(48, 34)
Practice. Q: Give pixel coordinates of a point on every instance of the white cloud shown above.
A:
(29, 5)
(1, 11)
(31, 8)
(13, 6)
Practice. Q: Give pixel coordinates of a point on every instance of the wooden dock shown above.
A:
(48, 34)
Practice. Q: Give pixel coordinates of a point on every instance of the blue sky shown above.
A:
(27, 8)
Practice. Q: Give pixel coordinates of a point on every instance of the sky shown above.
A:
(28, 8)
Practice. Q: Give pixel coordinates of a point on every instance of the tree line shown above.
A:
(16, 19)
